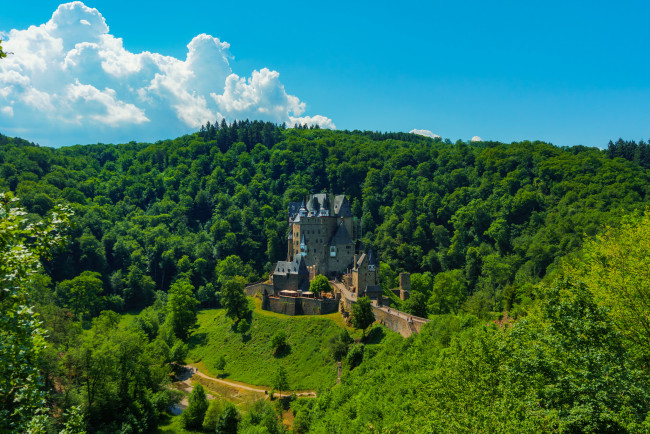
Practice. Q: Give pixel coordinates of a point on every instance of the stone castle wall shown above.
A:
(398, 321)
(393, 319)
(258, 288)
(302, 306)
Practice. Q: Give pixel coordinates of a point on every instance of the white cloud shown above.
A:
(319, 120)
(477, 139)
(71, 81)
(425, 133)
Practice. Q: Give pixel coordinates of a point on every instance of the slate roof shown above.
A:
(318, 202)
(342, 236)
(372, 260)
(360, 260)
(342, 206)
(297, 266)
(294, 207)
(302, 265)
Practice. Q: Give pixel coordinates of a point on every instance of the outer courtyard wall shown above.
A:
(391, 318)
(398, 321)
(251, 290)
(302, 306)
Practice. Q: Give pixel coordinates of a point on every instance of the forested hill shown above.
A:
(486, 219)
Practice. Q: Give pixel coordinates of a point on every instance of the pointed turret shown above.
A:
(303, 246)
(303, 209)
(372, 261)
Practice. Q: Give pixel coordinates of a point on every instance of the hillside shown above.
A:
(250, 358)
(488, 219)
(488, 230)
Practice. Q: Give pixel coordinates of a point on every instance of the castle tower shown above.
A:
(404, 286)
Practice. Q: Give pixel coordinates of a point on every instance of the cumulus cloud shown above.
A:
(477, 139)
(70, 81)
(425, 133)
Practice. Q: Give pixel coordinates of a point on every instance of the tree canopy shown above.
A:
(362, 315)
(319, 285)
(485, 229)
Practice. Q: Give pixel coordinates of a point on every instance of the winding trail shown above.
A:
(191, 370)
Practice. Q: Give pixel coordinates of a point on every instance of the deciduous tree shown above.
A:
(194, 414)
(320, 284)
(362, 315)
(234, 299)
(181, 309)
(22, 245)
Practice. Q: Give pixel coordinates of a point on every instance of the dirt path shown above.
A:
(191, 371)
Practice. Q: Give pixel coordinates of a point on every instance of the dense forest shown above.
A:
(484, 228)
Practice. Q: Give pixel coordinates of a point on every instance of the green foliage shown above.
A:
(2, 53)
(181, 309)
(117, 375)
(210, 206)
(280, 381)
(234, 299)
(362, 315)
(22, 245)
(278, 340)
(320, 284)
(616, 267)
(220, 364)
(228, 420)
(262, 417)
(416, 304)
(563, 368)
(82, 294)
(178, 353)
(74, 423)
(448, 291)
(254, 361)
(340, 344)
(355, 356)
(488, 220)
(194, 414)
(243, 326)
(212, 415)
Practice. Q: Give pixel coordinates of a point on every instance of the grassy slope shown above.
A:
(249, 358)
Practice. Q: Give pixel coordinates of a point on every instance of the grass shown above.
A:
(172, 425)
(249, 357)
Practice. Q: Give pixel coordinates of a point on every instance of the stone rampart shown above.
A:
(317, 306)
(284, 305)
(258, 288)
(302, 306)
(398, 321)
(393, 319)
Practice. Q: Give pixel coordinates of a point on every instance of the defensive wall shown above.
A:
(259, 287)
(291, 305)
(393, 319)
(302, 305)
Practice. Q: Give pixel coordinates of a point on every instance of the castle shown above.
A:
(321, 240)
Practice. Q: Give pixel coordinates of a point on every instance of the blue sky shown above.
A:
(568, 73)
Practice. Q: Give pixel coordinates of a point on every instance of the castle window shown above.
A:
(333, 251)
